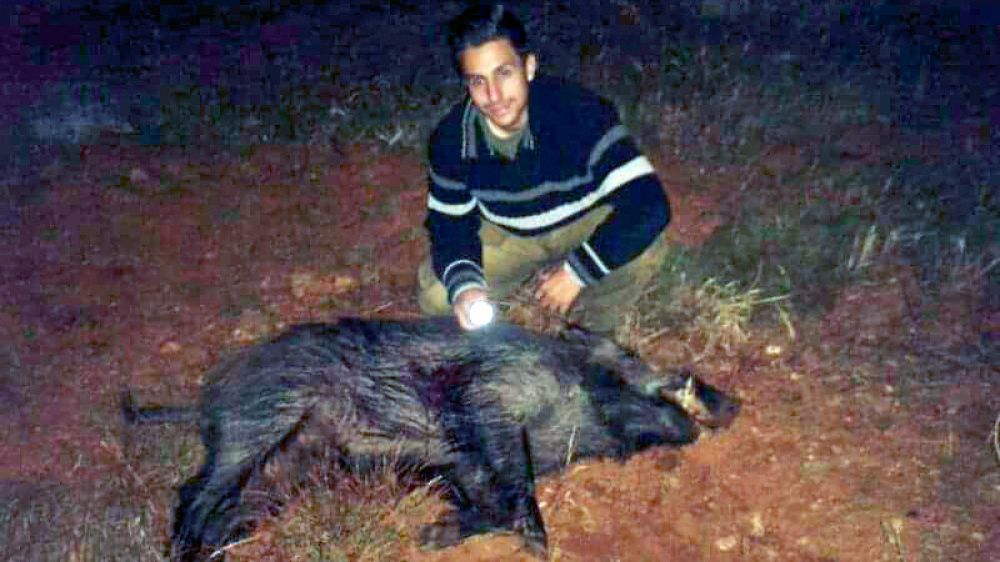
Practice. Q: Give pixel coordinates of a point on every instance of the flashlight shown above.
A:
(480, 313)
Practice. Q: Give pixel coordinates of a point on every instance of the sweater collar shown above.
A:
(470, 118)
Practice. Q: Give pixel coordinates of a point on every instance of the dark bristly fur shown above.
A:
(484, 410)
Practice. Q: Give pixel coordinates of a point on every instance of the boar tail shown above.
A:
(134, 414)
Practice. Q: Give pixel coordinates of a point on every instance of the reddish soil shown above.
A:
(866, 438)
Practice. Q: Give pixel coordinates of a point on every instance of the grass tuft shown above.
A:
(717, 316)
(343, 517)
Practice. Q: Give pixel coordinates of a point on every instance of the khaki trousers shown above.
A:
(509, 261)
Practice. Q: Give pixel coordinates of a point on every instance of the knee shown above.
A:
(432, 298)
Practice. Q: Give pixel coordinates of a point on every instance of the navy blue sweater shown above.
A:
(577, 156)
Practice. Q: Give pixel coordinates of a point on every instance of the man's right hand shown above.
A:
(462, 303)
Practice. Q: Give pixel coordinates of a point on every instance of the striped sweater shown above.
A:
(576, 156)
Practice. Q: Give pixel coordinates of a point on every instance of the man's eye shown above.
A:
(506, 72)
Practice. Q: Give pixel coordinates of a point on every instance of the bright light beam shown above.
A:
(481, 313)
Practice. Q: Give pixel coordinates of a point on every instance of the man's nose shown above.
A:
(492, 91)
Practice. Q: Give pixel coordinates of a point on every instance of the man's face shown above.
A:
(497, 79)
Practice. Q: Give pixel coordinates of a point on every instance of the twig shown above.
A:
(652, 336)
(892, 530)
(571, 446)
(380, 307)
(769, 300)
(980, 274)
(987, 269)
(996, 438)
(221, 551)
(556, 503)
(751, 177)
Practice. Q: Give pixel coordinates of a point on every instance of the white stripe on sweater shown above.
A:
(637, 167)
(596, 259)
(451, 209)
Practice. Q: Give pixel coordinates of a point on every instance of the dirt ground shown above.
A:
(866, 438)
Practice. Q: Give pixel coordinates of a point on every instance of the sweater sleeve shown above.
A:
(453, 221)
(639, 207)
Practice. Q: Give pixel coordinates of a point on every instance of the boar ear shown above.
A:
(602, 350)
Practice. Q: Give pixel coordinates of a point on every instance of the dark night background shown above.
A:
(155, 72)
(939, 58)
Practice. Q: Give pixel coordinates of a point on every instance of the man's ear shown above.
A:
(530, 66)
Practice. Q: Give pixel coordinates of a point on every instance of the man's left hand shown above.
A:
(557, 291)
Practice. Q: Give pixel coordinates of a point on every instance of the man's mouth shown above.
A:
(499, 111)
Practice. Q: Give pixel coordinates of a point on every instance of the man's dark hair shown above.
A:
(481, 24)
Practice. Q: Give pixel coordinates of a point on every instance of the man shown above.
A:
(528, 175)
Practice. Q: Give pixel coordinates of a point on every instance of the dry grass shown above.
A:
(120, 514)
(341, 517)
(712, 317)
(101, 522)
(124, 515)
(722, 314)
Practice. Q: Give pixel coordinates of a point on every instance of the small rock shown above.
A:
(306, 285)
(726, 544)
(169, 348)
(757, 525)
(138, 175)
